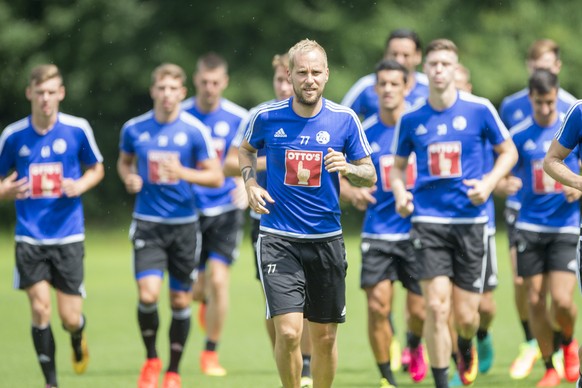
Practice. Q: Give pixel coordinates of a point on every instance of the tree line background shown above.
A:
(106, 50)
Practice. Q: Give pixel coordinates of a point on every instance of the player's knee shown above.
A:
(377, 310)
(437, 311)
(148, 297)
(290, 336)
(41, 310)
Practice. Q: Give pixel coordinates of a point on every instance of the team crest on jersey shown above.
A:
(303, 168)
(156, 175)
(445, 159)
(163, 141)
(542, 182)
(180, 139)
(459, 123)
(322, 137)
(45, 180)
(221, 128)
(59, 146)
(386, 163)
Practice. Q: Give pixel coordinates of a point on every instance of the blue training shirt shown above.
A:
(306, 195)
(47, 216)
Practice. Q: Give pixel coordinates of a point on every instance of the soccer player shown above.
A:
(47, 161)
(301, 249)
(547, 229)
(387, 253)
(542, 54)
(221, 218)
(162, 153)
(404, 46)
(283, 90)
(447, 133)
(566, 139)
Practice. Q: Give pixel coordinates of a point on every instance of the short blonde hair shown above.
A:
(305, 45)
(44, 72)
(168, 69)
(280, 60)
(442, 44)
(542, 46)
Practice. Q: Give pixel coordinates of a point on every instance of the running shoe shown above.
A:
(395, 354)
(558, 362)
(150, 373)
(306, 382)
(485, 352)
(172, 380)
(455, 381)
(80, 355)
(209, 364)
(468, 372)
(529, 353)
(550, 379)
(571, 361)
(384, 383)
(417, 368)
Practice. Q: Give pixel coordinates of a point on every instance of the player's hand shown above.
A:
(258, 198)
(572, 194)
(508, 186)
(361, 197)
(404, 206)
(11, 188)
(478, 192)
(71, 188)
(239, 194)
(171, 168)
(335, 162)
(133, 183)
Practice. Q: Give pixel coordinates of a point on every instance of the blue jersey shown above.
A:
(544, 207)
(47, 216)
(449, 147)
(306, 195)
(489, 161)
(223, 124)
(570, 134)
(517, 107)
(363, 99)
(381, 220)
(161, 199)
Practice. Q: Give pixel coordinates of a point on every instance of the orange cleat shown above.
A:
(210, 365)
(172, 380)
(150, 373)
(550, 379)
(571, 361)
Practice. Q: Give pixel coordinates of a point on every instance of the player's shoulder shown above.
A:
(520, 129)
(232, 108)
(515, 98)
(73, 121)
(16, 127)
(370, 122)
(358, 88)
(566, 97)
(416, 110)
(421, 78)
(188, 103)
(139, 120)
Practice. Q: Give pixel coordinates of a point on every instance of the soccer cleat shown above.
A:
(405, 359)
(384, 383)
(417, 368)
(485, 352)
(455, 381)
(468, 373)
(80, 356)
(529, 353)
(571, 361)
(395, 360)
(550, 379)
(210, 365)
(172, 380)
(306, 382)
(150, 373)
(558, 362)
(202, 316)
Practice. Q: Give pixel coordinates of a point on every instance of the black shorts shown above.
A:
(221, 236)
(510, 216)
(389, 260)
(491, 279)
(540, 253)
(304, 276)
(255, 225)
(458, 251)
(173, 247)
(60, 265)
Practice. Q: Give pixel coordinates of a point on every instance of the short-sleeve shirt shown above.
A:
(306, 195)
(449, 147)
(162, 199)
(48, 216)
(544, 207)
(223, 124)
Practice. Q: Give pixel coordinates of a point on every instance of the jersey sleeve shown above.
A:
(126, 140)
(89, 152)
(357, 146)
(254, 133)
(495, 131)
(401, 143)
(570, 134)
(6, 154)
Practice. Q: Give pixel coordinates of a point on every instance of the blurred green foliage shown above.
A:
(107, 49)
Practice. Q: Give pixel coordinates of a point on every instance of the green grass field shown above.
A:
(117, 352)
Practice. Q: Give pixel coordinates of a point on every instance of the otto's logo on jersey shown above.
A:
(444, 159)
(542, 182)
(303, 168)
(219, 146)
(386, 163)
(156, 174)
(45, 180)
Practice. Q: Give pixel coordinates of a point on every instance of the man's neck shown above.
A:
(43, 124)
(164, 117)
(545, 122)
(203, 107)
(442, 100)
(389, 117)
(307, 110)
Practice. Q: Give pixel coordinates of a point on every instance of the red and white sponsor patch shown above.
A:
(45, 180)
(219, 146)
(542, 182)
(386, 163)
(444, 159)
(155, 173)
(303, 168)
